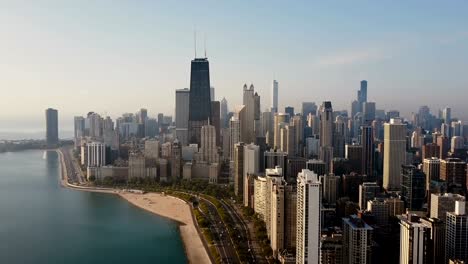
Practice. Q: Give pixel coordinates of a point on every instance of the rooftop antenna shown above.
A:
(195, 42)
(205, 46)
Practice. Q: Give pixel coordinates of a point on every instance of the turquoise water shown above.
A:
(43, 223)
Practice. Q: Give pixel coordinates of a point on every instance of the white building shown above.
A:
(234, 135)
(274, 96)
(260, 195)
(309, 203)
(251, 166)
(96, 154)
(414, 240)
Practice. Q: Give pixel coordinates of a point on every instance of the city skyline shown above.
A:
(112, 69)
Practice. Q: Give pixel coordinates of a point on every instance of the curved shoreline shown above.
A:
(169, 207)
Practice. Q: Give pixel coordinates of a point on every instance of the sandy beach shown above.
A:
(175, 209)
(165, 206)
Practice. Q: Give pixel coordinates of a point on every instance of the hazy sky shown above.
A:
(118, 56)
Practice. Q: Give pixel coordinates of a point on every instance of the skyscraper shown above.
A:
(326, 124)
(199, 99)
(239, 169)
(368, 112)
(234, 135)
(79, 129)
(279, 121)
(357, 241)
(457, 234)
(368, 151)
(413, 189)
(453, 172)
(414, 241)
(290, 111)
(215, 120)
(362, 93)
(431, 167)
(182, 115)
(251, 166)
(208, 147)
(251, 100)
(441, 204)
(367, 192)
(309, 204)
(394, 153)
(52, 138)
(447, 115)
(224, 113)
(212, 93)
(274, 97)
(308, 108)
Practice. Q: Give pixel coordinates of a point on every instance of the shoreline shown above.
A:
(161, 205)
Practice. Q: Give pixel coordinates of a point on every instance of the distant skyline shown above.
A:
(116, 57)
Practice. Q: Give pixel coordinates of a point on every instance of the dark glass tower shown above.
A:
(413, 185)
(368, 152)
(52, 127)
(362, 93)
(199, 99)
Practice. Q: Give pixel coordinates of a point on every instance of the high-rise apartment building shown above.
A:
(239, 169)
(394, 153)
(96, 154)
(414, 241)
(456, 243)
(431, 167)
(436, 245)
(52, 137)
(309, 203)
(199, 99)
(182, 115)
(357, 241)
(251, 167)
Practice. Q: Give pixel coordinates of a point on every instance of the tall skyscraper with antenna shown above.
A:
(199, 99)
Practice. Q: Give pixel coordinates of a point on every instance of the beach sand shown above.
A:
(165, 206)
(175, 209)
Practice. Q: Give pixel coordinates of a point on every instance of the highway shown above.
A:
(242, 227)
(74, 173)
(220, 233)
